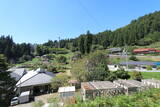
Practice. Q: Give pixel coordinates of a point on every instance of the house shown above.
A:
(130, 86)
(115, 50)
(151, 83)
(17, 73)
(145, 50)
(37, 82)
(67, 94)
(139, 64)
(92, 89)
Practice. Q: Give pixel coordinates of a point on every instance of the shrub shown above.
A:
(133, 58)
(59, 81)
(136, 76)
(62, 59)
(149, 67)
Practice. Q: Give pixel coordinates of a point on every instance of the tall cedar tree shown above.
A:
(81, 45)
(88, 42)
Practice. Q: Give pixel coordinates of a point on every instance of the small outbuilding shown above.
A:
(152, 83)
(92, 89)
(67, 94)
(130, 86)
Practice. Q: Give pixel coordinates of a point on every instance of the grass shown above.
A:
(155, 75)
(147, 75)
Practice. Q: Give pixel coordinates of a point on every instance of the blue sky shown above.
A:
(37, 21)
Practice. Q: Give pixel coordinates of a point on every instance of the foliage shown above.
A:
(149, 98)
(149, 67)
(59, 81)
(96, 66)
(37, 104)
(14, 51)
(142, 31)
(6, 83)
(133, 58)
(62, 59)
(78, 69)
(136, 76)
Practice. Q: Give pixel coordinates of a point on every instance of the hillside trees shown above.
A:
(142, 31)
(14, 51)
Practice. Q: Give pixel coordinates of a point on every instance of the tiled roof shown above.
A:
(37, 77)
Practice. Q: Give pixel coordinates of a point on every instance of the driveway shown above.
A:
(24, 105)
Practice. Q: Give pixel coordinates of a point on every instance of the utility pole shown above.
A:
(59, 44)
(126, 56)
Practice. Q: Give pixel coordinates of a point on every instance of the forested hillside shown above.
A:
(142, 31)
(15, 52)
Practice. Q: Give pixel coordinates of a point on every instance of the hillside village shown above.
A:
(93, 70)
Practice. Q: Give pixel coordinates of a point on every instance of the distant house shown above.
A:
(145, 51)
(115, 50)
(139, 64)
(37, 81)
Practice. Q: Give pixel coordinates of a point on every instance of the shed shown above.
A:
(130, 86)
(92, 89)
(65, 92)
(152, 83)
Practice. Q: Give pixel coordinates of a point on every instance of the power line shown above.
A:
(88, 13)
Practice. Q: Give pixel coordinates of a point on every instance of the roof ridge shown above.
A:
(27, 79)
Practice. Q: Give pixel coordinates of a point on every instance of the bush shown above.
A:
(136, 76)
(158, 68)
(149, 98)
(62, 59)
(149, 67)
(37, 104)
(133, 58)
(59, 81)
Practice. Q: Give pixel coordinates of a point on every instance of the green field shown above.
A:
(147, 75)
(155, 75)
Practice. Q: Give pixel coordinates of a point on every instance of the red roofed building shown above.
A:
(144, 50)
(158, 51)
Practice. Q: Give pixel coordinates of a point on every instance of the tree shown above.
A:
(81, 45)
(88, 42)
(136, 76)
(133, 58)
(59, 81)
(97, 66)
(6, 83)
(62, 59)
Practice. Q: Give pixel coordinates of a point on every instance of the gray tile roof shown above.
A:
(138, 63)
(17, 73)
(39, 78)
